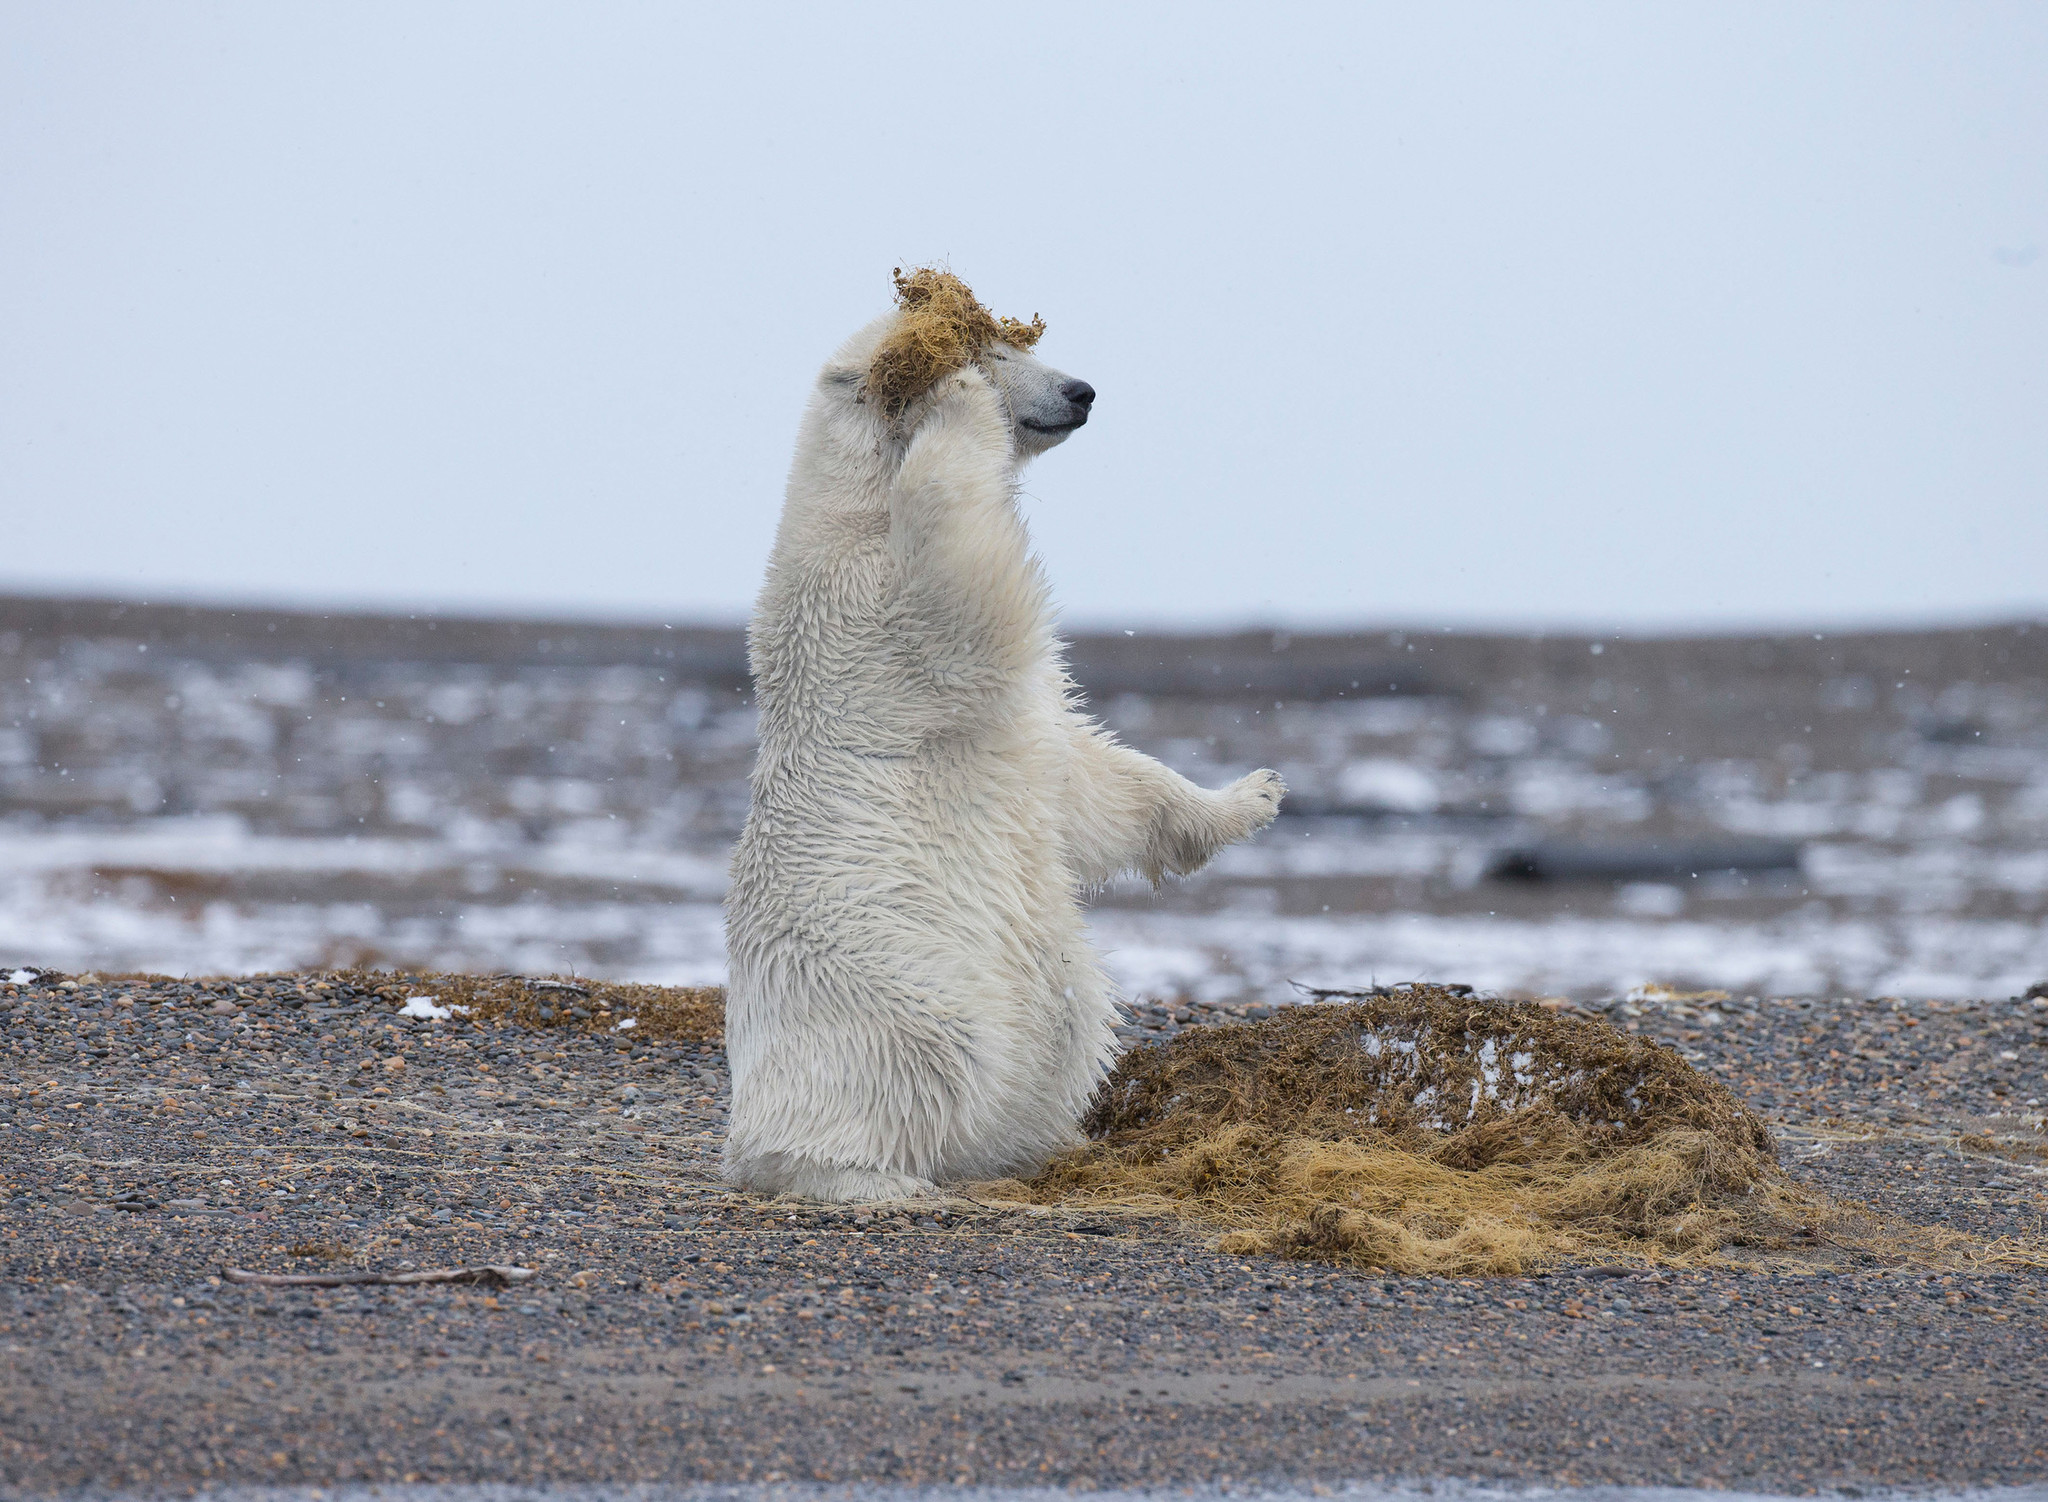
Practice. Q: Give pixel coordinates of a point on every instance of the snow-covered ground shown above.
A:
(1163, 953)
(190, 812)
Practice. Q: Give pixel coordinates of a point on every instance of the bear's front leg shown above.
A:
(968, 611)
(1128, 812)
(1192, 831)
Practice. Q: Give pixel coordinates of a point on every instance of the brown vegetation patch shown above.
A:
(659, 1014)
(326, 1251)
(942, 327)
(159, 885)
(1420, 1130)
(2012, 1149)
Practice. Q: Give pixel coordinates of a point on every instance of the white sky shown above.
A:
(1616, 314)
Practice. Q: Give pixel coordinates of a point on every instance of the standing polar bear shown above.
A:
(912, 995)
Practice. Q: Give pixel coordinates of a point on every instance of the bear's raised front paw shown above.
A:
(968, 397)
(1257, 796)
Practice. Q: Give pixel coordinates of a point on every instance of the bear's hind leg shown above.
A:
(848, 1084)
(810, 1178)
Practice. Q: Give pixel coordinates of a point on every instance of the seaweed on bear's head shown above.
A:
(941, 327)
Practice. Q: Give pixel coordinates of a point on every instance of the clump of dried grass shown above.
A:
(1425, 1131)
(2012, 1149)
(942, 327)
(326, 1251)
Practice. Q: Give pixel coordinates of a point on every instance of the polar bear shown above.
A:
(912, 996)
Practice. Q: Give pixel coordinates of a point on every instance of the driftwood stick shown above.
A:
(494, 1274)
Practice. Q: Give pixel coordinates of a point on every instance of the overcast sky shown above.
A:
(1618, 315)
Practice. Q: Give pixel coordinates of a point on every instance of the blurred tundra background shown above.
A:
(185, 789)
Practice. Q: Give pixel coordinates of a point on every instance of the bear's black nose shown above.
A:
(1080, 393)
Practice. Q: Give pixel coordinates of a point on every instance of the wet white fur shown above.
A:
(913, 997)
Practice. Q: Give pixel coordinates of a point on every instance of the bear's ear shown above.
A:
(841, 376)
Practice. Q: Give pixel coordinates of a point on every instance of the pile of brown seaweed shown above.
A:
(942, 327)
(1423, 1130)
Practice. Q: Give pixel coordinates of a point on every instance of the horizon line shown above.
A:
(643, 617)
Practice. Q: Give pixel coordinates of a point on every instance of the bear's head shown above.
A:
(1044, 404)
(939, 327)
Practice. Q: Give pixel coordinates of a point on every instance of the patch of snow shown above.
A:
(1650, 899)
(1501, 735)
(1381, 716)
(1962, 814)
(1397, 786)
(426, 1008)
(1159, 969)
(224, 845)
(1802, 953)
(1318, 847)
(1553, 790)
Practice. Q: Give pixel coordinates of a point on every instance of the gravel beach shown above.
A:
(156, 1133)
